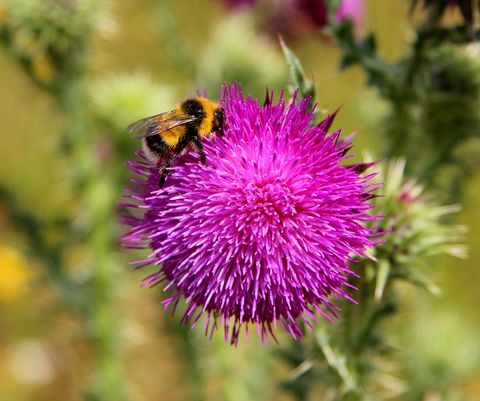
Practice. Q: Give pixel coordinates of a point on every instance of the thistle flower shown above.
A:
(416, 228)
(265, 231)
(414, 220)
(46, 36)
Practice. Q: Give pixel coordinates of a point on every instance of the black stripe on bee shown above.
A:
(156, 145)
(194, 108)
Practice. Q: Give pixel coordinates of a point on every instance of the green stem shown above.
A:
(190, 357)
(99, 194)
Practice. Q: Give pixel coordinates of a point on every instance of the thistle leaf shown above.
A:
(382, 278)
(336, 360)
(298, 79)
(417, 278)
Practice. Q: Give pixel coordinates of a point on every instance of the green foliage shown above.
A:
(415, 225)
(433, 95)
(350, 356)
(57, 34)
(344, 361)
(440, 114)
(364, 52)
(229, 56)
(120, 99)
(298, 80)
(450, 104)
(49, 38)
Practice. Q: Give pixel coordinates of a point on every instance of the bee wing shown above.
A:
(158, 123)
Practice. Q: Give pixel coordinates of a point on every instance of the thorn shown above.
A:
(326, 124)
(346, 141)
(345, 149)
(268, 100)
(360, 168)
(370, 196)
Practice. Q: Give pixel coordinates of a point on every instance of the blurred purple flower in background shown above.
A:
(292, 18)
(315, 10)
(297, 17)
(264, 232)
(353, 10)
(239, 3)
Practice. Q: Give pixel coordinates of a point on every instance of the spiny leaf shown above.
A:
(382, 278)
(297, 75)
(417, 278)
(336, 360)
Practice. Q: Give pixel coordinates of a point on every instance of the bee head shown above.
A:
(218, 121)
(193, 108)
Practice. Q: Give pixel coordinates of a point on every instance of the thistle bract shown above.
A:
(264, 232)
(466, 7)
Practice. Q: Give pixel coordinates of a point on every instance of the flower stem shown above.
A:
(99, 193)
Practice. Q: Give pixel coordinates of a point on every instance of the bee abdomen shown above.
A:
(156, 144)
(154, 147)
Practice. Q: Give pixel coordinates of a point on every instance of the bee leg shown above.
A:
(161, 181)
(203, 157)
(201, 152)
(165, 170)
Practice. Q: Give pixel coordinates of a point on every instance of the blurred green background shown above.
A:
(144, 56)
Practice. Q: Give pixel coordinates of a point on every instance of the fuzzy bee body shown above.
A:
(168, 135)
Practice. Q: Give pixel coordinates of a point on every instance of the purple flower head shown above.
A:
(316, 10)
(297, 17)
(264, 232)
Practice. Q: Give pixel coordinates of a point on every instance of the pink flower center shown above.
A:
(268, 203)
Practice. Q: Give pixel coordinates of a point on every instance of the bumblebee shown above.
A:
(167, 135)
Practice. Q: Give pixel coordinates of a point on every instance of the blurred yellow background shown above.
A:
(44, 354)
